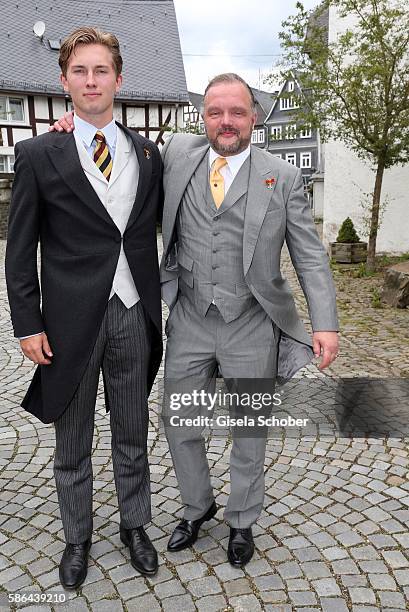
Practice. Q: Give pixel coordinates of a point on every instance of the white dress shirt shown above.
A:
(234, 163)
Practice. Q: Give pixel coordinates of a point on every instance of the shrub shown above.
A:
(347, 232)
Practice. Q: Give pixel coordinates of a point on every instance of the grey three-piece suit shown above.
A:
(230, 309)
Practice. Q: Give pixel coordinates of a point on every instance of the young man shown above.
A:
(92, 199)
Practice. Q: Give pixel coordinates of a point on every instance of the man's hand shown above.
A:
(37, 349)
(325, 344)
(63, 124)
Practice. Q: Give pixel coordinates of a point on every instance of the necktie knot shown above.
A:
(218, 164)
(99, 136)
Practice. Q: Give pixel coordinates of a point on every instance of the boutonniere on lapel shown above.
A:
(147, 153)
(270, 182)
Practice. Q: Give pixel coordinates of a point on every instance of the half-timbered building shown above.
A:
(154, 88)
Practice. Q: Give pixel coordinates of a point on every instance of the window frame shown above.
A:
(302, 157)
(292, 155)
(25, 120)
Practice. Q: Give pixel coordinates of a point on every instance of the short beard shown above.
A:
(226, 150)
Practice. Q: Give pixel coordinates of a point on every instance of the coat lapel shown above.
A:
(65, 159)
(145, 159)
(258, 198)
(181, 174)
(122, 152)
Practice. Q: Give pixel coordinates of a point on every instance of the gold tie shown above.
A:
(217, 180)
(102, 156)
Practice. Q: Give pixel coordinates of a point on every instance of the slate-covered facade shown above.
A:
(295, 144)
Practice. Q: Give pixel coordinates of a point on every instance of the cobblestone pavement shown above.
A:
(333, 536)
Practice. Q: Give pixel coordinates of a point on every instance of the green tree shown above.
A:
(355, 89)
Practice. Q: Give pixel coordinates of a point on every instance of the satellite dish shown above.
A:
(39, 29)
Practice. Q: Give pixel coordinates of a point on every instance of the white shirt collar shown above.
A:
(86, 131)
(234, 162)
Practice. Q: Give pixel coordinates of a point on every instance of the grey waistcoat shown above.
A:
(210, 254)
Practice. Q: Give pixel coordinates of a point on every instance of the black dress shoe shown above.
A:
(144, 557)
(185, 534)
(74, 565)
(241, 546)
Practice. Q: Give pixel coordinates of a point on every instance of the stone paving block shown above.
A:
(241, 586)
(258, 568)
(102, 589)
(168, 589)
(395, 559)
(190, 571)
(226, 572)
(289, 570)
(354, 581)
(302, 598)
(326, 587)
(132, 588)
(204, 586)
(171, 604)
(111, 605)
(315, 569)
(333, 604)
(361, 595)
(211, 603)
(392, 600)
(245, 603)
(148, 602)
(271, 582)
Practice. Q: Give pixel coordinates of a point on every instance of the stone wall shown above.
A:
(6, 182)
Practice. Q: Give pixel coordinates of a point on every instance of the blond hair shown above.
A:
(89, 36)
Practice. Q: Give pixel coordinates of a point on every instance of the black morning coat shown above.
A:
(53, 201)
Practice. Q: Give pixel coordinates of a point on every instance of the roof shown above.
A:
(264, 102)
(147, 31)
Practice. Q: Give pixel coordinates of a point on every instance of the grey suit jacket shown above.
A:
(276, 211)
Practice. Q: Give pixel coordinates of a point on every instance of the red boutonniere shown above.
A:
(270, 182)
(147, 153)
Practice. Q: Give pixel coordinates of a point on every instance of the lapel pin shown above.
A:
(270, 182)
(147, 153)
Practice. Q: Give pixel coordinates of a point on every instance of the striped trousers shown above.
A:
(122, 350)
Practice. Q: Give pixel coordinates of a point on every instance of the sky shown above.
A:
(232, 36)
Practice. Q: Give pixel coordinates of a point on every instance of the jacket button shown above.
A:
(118, 239)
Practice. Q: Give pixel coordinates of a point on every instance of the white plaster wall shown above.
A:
(22, 134)
(347, 178)
(41, 107)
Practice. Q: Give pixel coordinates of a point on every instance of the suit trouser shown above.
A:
(197, 346)
(122, 350)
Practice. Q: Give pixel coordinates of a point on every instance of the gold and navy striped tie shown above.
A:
(102, 156)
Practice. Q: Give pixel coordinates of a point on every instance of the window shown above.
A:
(276, 132)
(290, 86)
(12, 109)
(291, 132)
(6, 163)
(305, 132)
(254, 137)
(305, 161)
(288, 103)
(279, 155)
(291, 158)
(260, 136)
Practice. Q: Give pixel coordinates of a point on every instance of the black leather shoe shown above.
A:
(241, 546)
(185, 534)
(144, 557)
(74, 564)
